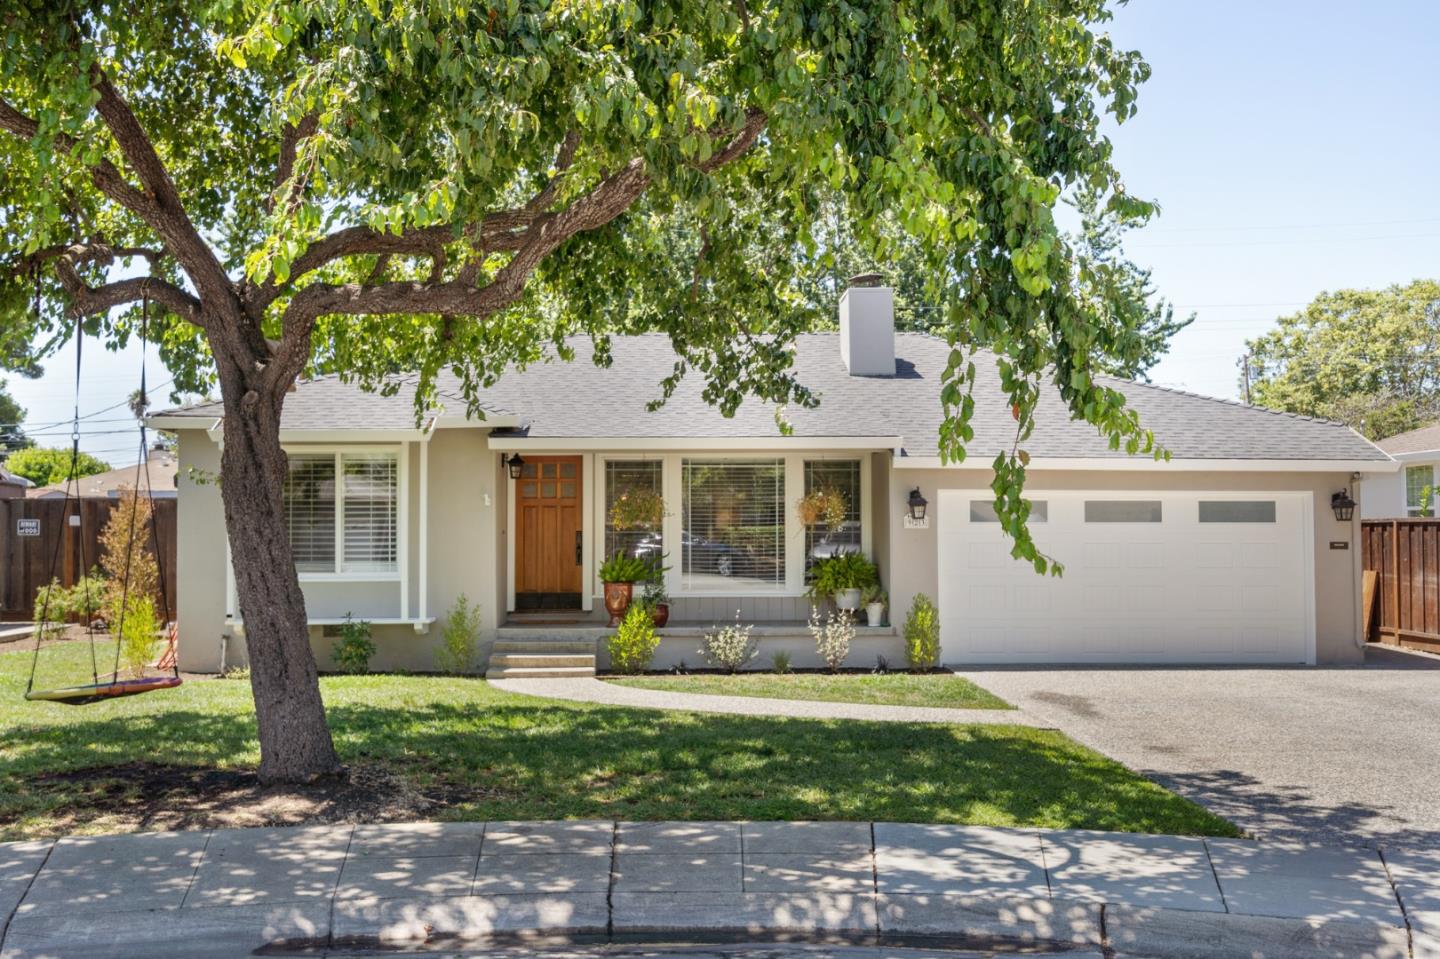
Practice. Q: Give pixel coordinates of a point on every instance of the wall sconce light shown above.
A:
(515, 465)
(1343, 505)
(917, 504)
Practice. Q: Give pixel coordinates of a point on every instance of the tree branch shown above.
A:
(755, 120)
(86, 300)
(107, 179)
(77, 253)
(169, 218)
(290, 140)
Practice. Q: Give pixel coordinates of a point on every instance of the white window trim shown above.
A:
(1413, 511)
(399, 575)
(672, 529)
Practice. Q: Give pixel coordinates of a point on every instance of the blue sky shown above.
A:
(1294, 147)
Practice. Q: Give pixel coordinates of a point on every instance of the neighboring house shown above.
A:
(1411, 490)
(161, 471)
(1228, 553)
(12, 486)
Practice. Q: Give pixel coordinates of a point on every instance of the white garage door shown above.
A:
(1149, 577)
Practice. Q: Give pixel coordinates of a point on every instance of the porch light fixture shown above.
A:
(917, 505)
(1343, 506)
(515, 464)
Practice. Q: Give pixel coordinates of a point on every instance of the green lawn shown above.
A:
(494, 755)
(892, 689)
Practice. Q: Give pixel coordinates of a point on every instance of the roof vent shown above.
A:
(867, 327)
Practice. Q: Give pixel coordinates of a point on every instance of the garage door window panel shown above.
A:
(1237, 511)
(1123, 511)
(983, 511)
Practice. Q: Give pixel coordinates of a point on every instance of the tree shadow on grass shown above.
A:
(507, 759)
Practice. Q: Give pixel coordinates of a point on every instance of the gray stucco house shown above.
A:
(1228, 553)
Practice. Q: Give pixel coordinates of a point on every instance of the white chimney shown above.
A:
(867, 327)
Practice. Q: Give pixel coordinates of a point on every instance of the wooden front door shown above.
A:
(548, 549)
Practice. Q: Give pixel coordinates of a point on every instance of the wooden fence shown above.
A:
(25, 560)
(1404, 557)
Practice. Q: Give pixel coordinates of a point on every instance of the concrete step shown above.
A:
(544, 646)
(533, 660)
(539, 672)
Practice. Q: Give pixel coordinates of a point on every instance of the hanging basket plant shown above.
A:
(827, 505)
(637, 508)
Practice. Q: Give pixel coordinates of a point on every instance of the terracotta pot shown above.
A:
(661, 614)
(617, 600)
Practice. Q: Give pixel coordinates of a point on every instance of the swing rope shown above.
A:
(81, 695)
(71, 481)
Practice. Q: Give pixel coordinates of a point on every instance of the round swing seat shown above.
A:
(99, 692)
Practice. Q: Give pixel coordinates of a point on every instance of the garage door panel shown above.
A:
(1174, 591)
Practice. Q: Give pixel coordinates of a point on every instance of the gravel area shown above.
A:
(595, 691)
(1325, 754)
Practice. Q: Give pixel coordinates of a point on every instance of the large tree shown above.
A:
(12, 419)
(454, 184)
(1369, 358)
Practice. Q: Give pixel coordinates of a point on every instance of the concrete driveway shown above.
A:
(1313, 753)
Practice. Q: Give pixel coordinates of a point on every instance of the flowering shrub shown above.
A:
(832, 637)
(730, 648)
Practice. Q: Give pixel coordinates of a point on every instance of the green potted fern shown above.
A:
(841, 578)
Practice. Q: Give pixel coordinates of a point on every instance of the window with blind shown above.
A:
(634, 508)
(342, 510)
(371, 535)
(837, 534)
(733, 525)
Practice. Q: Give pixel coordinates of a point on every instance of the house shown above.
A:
(1228, 553)
(1410, 490)
(12, 486)
(161, 471)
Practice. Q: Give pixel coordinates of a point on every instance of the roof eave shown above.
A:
(1175, 464)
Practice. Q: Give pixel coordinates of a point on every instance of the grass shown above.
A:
(892, 689)
(499, 755)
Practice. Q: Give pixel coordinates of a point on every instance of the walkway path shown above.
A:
(611, 694)
(225, 893)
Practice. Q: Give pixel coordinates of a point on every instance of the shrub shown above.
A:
(125, 555)
(355, 648)
(780, 662)
(459, 640)
(730, 648)
(922, 633)
(832, 638)
(82, 601)
(135, 630)
(634, 643)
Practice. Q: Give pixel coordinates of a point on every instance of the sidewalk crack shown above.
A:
(1395, 890)
(610, 887)
(10, 916)
(1214, 874)
(335, 889)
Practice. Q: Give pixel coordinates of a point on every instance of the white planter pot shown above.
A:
(847, 599)
(875, 614)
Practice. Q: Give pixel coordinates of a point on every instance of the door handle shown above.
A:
(579, 547)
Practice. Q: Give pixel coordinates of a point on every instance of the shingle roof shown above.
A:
(1423, 440)
(570, 400)
(163, 467)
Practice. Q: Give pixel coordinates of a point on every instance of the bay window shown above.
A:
(343, 512)
(732, 525)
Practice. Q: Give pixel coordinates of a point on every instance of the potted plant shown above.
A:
(655, 598)
(827, 505)
(875, 602)
(620, 573)
(841, 578)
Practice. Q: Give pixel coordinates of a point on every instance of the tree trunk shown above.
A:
(295, 743)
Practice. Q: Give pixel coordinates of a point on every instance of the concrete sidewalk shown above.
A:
(228, 892)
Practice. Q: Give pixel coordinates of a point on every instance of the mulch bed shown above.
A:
(144, 796)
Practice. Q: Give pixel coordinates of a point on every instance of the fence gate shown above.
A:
(1404, 556)
(30, 530)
